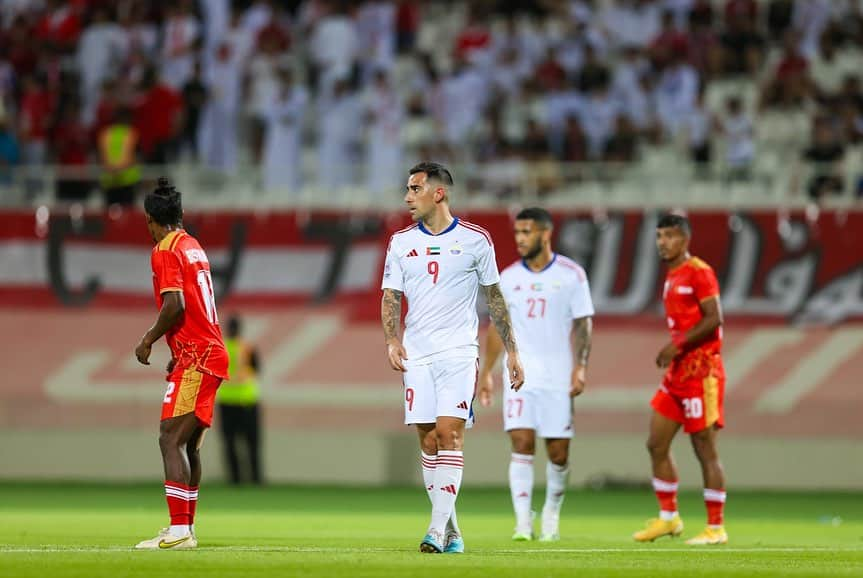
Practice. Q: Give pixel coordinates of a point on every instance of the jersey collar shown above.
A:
(444, 232)
(550, 263)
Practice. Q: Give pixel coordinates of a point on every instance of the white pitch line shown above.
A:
(300, 550)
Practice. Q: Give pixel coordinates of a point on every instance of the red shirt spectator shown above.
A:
(37, 106)
(273, 38)
(71, 139)
(60, 27)
(475, 37)
(20, 47)
(157, 117)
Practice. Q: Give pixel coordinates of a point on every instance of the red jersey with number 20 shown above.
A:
(686, 286)
(180, 264)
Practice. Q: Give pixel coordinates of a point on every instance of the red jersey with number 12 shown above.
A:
(180, 264)
(686, 286)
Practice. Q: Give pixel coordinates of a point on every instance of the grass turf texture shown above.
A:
(65, 530)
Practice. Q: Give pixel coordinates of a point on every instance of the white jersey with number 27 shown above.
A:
(543, 305)
(439, 276)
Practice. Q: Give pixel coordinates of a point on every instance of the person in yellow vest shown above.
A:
(118, 144)
(239, 408)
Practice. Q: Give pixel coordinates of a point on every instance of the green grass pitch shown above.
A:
(64, 530)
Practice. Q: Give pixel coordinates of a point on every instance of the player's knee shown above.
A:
(449, 440)
(524, 446)
(168, 441)
(558, 458)
(657, 448)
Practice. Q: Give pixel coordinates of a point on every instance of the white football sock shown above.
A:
(521, 487)
(447, 481)
(555, 486)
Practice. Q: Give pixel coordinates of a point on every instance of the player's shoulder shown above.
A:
(170, 242)
(513, 270)
(697, 264)
(406, 232)
(570, 267)
(475, 232)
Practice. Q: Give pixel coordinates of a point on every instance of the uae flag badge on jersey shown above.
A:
(432, 250)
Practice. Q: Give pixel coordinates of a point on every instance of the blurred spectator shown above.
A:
(194, 99)
(333, 47)
(339, 122)
(705, 50)
(238, 400)
(121, 175)
(830, 66)
(698, 126)
(141, 42)
(574, 141)
(407, 24)
(790, 84)
(181, 34)
(376, 36)
(622, 146)
(283, 134)
(101, 54)
(473, 44)
(9, 152)
(59, 27)
(219, 120)
(676, 94)
(825, 155)
(739, 134)
(71, 142)
(669, 40)
(36, 110)
(811, 18)
(598, 119)
(742, 43)
(385, 114)
(158, 119)
(779, 14)
(21, 47)
(631, 23)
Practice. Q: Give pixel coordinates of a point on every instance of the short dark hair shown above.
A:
(539, 216)
(671, 220)
(164, 203)
(434, 171)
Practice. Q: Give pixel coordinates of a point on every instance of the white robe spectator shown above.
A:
(598, 120)
(676, 95)
(257, 16)
(284, 138)
(339, 124)
(180, 32)
(218, 131)
(333, 46)
(385, 112)
(630, 23)
(376, 36)
(217, 15)
(101, 53)
(463, 97)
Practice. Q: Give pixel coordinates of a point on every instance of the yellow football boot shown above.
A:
(709, 536)
(657, 528)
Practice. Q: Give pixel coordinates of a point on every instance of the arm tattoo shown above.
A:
(583, 328)
(499, 314)
(391, 312)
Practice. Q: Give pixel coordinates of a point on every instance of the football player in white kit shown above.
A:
(552, 314)
(438, 265)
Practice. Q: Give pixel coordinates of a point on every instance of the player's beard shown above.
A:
(533, 252)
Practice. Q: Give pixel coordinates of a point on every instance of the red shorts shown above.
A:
(189, 391)
(696, 401)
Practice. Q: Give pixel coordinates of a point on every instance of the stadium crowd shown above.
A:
(125, 82)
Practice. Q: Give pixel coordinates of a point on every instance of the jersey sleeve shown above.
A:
(704, 284)
(168, 271)
(581, 305)
(487, 265)
(393, 274)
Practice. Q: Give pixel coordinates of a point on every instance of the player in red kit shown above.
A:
(199, 361)
(692, 391)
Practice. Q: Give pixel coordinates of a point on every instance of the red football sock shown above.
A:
(714, 500)
(193, 503)
(177, 495)
(666, 494)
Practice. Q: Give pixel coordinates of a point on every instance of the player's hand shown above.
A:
(516, 371)
(579, 380)
(396, 353)
(486, 389)
(170, 367)
(142, 352)
(667, 355)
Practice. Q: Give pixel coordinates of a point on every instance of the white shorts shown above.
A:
(440, 388)
(546, 411)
